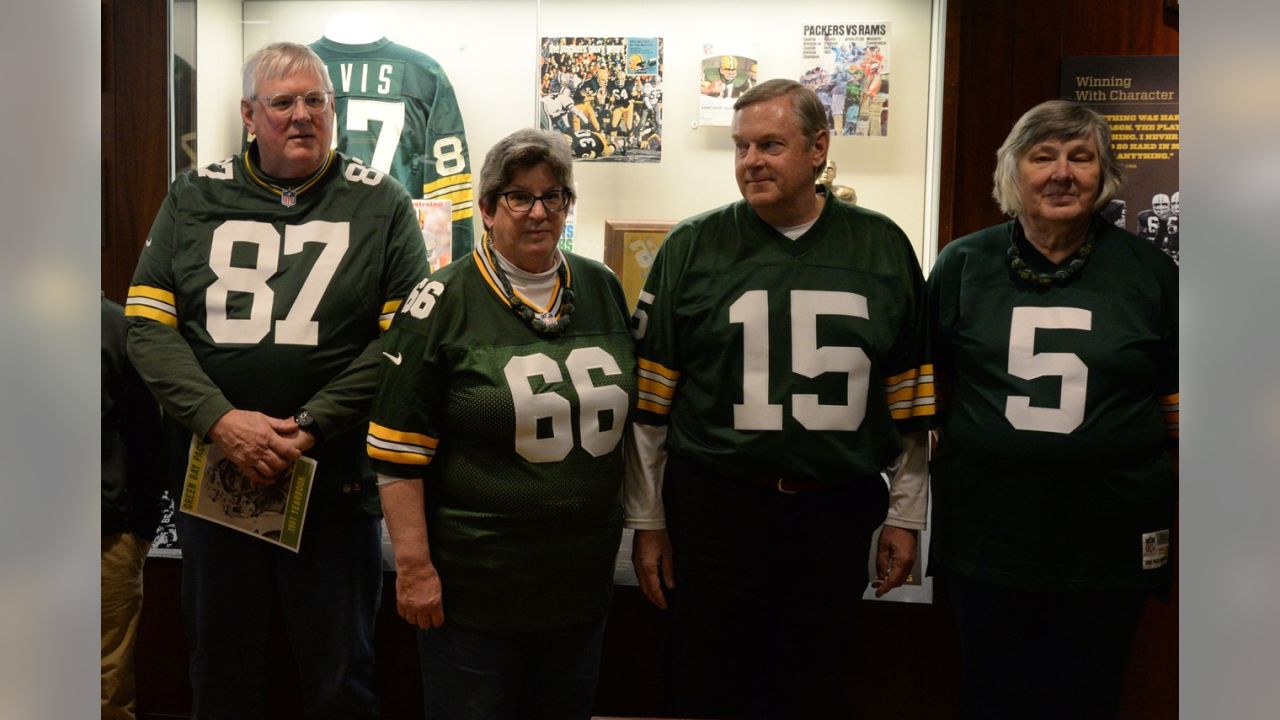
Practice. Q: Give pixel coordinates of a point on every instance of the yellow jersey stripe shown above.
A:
(909, 375)
(391, 306)
(653, 367)
(646, 385)
(654, 408)
(400, 458)
(400, 436)
(456, 197)
(461, 214)
(461, 179)
(154, 293)
(483, 247)
(160, 316)
(908, 392)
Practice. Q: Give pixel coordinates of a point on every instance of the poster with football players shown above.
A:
(1138, 96)
(724, 74)
(847, 64)
(605, 95)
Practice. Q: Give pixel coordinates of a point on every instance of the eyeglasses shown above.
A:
(316, 101)
(521, 201)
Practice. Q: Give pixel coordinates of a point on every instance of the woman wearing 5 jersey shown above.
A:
(1054, 483)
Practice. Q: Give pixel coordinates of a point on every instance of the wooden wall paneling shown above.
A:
(985, 57)
(135, 133)
(950, 102)
(1003, 57)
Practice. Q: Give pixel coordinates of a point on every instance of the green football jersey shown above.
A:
(1056, 409)
(773, 357)
(396, 111)
(518, 439)
(239, 301)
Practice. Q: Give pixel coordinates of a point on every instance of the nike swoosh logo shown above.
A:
(148, 243)
(395, 359)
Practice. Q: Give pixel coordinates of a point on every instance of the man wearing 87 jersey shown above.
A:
(780, 356)
(255, 317)
(497, 437)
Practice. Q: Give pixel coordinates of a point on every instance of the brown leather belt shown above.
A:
(788, 486)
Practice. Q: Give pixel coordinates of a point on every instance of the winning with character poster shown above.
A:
(605, 95)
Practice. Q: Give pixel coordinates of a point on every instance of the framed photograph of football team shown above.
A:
(605, 95)
(629, 249)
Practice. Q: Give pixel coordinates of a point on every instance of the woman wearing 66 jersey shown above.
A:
(496, 433)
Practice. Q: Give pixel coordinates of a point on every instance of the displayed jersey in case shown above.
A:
(278, 305)
(773, 357)
(518, 439)
(397, 112)
(1052, 472)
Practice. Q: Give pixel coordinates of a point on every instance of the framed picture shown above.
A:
(629, 249)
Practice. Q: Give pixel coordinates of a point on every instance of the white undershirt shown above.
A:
(795, 231)
(536, 288)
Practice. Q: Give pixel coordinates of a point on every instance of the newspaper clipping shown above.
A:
(605, 95)
(216, 490)
(848, 66)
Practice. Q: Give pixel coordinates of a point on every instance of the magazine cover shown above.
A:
(724, 74)
(435, 217)
(847, 64)
(215, 489)
(605, 95)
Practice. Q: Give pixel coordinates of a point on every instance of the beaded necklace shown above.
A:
(549, 323)
(1037, 279)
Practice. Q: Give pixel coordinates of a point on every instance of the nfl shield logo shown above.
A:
(288, 198)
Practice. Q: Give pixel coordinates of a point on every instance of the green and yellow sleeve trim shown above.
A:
(389, 309)
(656, 385)
(153, 303)
(400, 447)
(910, 394)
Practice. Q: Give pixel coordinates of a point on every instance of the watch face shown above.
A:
(303, 418)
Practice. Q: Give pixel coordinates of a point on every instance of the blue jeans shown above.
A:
(329, 595)
(545, 674)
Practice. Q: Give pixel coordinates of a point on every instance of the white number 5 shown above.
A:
(1025, 363)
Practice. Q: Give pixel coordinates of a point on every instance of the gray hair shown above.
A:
(1054, 120)
(279, 60)
(521, 150)
(810, 116)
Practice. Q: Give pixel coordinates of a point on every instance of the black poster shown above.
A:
(1138, 95)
